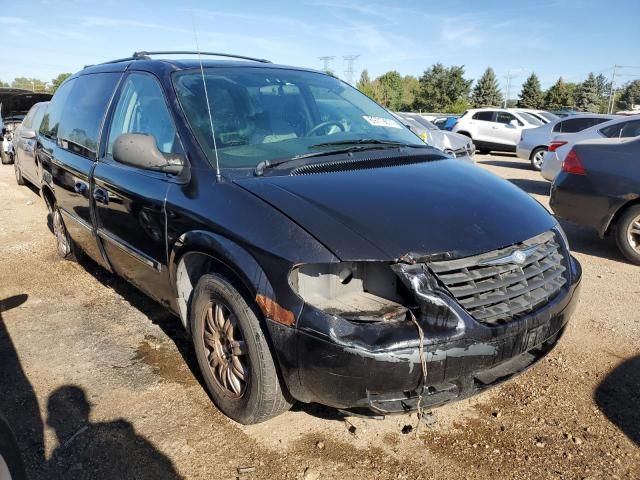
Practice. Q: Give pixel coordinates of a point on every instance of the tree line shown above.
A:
(445, 89)
(35, 84)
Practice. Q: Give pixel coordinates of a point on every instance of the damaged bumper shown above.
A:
(376, 366)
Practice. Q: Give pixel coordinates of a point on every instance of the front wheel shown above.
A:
(628, 234)
(536, 158)
(233, 353)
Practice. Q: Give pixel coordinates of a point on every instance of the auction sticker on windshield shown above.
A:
(381, 122)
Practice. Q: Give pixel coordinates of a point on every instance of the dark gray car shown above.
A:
(599, 186)
(24, 145)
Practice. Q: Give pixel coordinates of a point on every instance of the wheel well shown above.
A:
(466, 134)
(533, 151)
(49, 198)
(619, 213)
(193, 265)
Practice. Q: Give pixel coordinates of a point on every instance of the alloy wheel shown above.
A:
(62, 240)
(633, 234)
(226, 349)
(537, 159)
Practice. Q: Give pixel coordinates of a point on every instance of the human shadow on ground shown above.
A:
(100, 450)
(618, 397)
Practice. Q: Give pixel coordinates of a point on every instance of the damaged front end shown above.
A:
(484, 318)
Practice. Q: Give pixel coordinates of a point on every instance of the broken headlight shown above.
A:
(357, 291)
(373, 292)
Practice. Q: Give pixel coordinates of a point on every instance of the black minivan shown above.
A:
(314, 247)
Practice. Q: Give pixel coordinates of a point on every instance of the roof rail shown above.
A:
(145, 56)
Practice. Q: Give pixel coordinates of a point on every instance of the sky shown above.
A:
(553, 38)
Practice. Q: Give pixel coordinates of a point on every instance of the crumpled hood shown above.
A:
(425, 208)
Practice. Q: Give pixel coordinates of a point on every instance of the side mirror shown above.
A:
(140, 150)
(514, 123)
(29, 134)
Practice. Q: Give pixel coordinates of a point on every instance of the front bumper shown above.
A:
(376, 366)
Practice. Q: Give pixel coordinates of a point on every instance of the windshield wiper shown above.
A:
(357, 145)
(364, 141)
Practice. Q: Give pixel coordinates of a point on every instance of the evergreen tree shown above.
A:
(486, 92)
(365, 85)
(442, 89)
(604, 90)
(391, 89)
(587, 98)
(557, 96)
(630, 96)
(531, 95)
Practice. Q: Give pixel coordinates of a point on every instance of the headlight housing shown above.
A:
(374, 292)
(357, 291)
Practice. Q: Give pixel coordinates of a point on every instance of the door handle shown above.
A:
(100, 195)
(80, 187)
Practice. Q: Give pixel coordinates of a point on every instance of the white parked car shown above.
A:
(624, 127)
(493, 128)
(535, 141)
(456, 145)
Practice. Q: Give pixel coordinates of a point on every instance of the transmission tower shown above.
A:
(349, 70)
(326, 63)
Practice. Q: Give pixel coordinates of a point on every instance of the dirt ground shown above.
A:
(100, 382)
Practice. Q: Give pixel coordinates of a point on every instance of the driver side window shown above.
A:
(142, 108)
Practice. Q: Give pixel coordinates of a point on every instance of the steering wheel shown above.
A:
(324, 124)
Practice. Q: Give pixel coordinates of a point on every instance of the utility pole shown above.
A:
(326, 63)
(349, 71)
(611, 95)
(508, 76)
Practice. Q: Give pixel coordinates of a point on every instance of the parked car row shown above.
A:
(302, 234)
(534, 142)
(458, 146)
(495, 129)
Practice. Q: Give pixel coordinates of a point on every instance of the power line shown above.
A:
(326, 62)
(349, 71)
(508, 76)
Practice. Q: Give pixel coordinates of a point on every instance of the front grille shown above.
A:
(494, 288)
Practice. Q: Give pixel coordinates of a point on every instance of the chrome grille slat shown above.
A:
(495, 294)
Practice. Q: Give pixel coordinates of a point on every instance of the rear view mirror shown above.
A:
(140, 150)
(29, 134)
(514, 123)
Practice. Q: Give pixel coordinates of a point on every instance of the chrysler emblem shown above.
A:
(519, 257)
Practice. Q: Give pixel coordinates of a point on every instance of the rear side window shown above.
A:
(37, 117)
(574, 125)
(486, 116)
(26, 122)
(622, 130)
(83, 113)
(51, 119)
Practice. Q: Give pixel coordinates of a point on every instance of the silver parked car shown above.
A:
(625, 127)
(535, 141)
(454, 144)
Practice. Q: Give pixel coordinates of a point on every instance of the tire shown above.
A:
(628, 234)
(19, 179)
(484, 151)
(6, 158)
(11, 465)
(233, 353)
(64, 244)
(536, 158)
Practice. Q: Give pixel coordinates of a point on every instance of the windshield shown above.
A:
(423, 121)
(531, 119)
(549, 116)
(271, 113)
